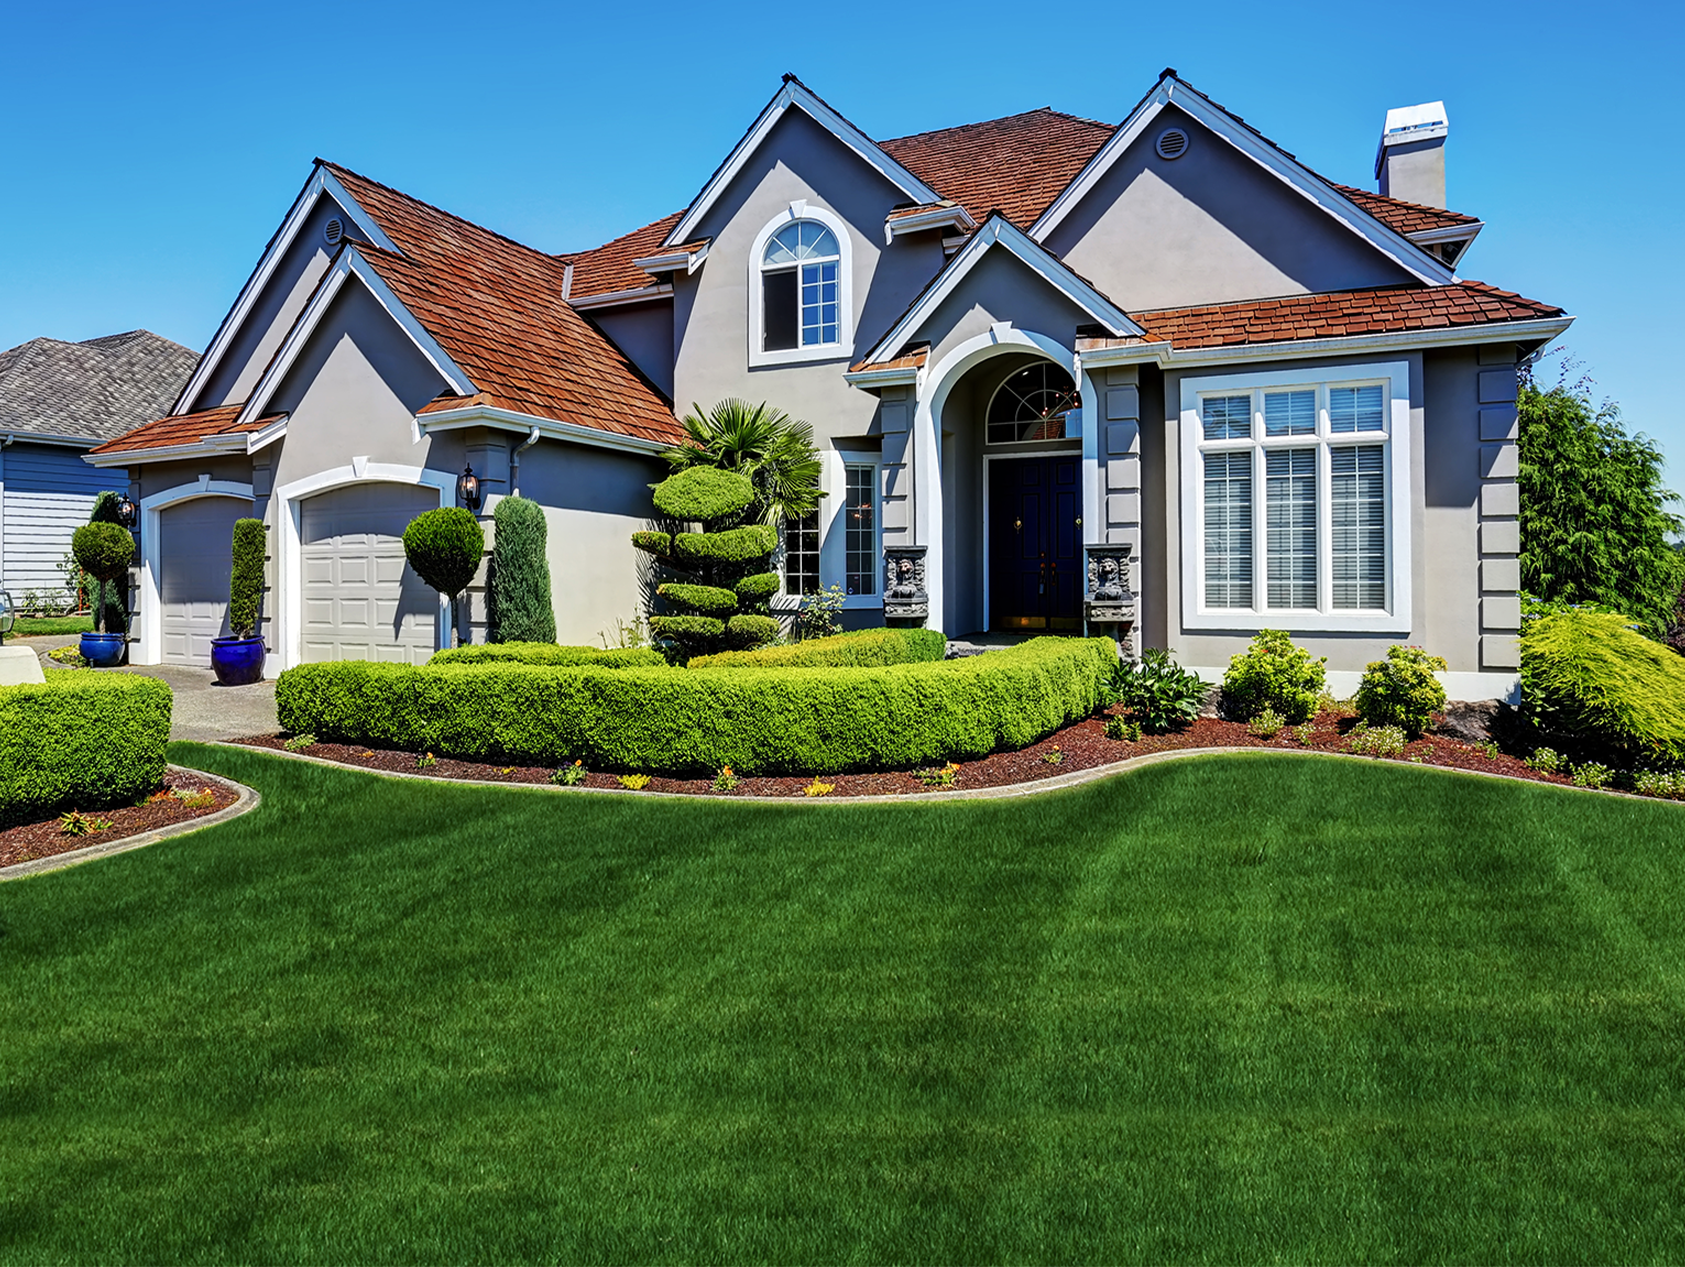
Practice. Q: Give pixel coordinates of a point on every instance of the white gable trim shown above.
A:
(1394, 245)
(352, 264)
(321, 181)
(795, 93)
(533, 426)
(998, 231)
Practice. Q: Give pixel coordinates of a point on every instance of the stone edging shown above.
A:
(1075, 778)
(248, 799)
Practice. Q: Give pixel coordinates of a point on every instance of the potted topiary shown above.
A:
(238, 660)
(444, 547)
(104, 551)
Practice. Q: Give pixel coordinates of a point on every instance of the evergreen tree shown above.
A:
(520, 608)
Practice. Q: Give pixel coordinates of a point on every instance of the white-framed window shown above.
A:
(799, 291)
(1296, 500)
(1032, 404)
(801, 554)
(860, 528)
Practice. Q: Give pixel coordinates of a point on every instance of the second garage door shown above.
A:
(361, 599)
(195, 543)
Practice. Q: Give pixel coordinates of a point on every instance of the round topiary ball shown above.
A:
(103, 550)
(444, 547)
(701, 494)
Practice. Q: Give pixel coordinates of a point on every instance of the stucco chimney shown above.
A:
(1410, 161)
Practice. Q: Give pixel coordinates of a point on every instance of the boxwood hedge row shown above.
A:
(763, 720)
(83, 740)
(550, 655)
(863, 648)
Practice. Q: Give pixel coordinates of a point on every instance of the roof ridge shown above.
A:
(981, 123)
(570, 256)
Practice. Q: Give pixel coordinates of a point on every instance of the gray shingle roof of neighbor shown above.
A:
(95, 389)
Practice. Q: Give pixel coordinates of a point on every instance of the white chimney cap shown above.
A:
(1429, 117)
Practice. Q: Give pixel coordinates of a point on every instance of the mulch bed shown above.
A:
(26, 842)
(1081, 746)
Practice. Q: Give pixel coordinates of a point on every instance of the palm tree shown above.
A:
(773, 449)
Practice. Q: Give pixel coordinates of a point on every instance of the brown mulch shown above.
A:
(1080, 746)
(25, 842)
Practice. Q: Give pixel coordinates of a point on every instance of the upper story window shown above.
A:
(1032, 404)
(799, 288)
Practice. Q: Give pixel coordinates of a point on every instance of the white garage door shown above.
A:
(361, 599)
(195, 546)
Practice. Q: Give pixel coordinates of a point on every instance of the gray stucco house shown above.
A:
(57, 401)
(1018, 341)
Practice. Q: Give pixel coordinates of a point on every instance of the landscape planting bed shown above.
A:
(43, 838)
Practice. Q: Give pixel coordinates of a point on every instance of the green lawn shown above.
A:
(38, 626)
(1231, 1009)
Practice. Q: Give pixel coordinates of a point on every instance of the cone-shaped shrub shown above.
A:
(245, 581)
(520, 609)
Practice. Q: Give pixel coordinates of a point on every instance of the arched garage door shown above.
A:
(195, 552)
(361, 600)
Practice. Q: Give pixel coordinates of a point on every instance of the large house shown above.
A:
(57, 401)
(1023, 344)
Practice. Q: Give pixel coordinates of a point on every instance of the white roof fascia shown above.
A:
(793, 93)
(1169, 357)
(162, 453)
(617, 298)
(1450, 233)
(47, 437)
(1389, 242)
(265, 436)
(672, 261)
(955, 216)
(321, 181)
(997, 230)
(351, 264)
(527, 424)
(901, 375)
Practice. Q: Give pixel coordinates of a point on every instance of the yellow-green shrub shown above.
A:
(1589, 675)
(862, 648)
(82, 739)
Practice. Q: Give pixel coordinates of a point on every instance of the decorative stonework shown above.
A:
(1109, 600)
(904, 594)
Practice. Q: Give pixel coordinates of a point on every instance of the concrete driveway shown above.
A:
(203, 710)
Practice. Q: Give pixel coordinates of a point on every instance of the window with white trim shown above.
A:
(801, 299)
(1293, 482)
(860, 528)
(801, 554)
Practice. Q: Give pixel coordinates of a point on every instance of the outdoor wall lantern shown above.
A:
(468, 487)
(125, 511)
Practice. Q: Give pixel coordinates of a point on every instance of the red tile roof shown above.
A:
(911, 359)
(609, 267)
(1383, 310)
(184, 429)
(1405, 217)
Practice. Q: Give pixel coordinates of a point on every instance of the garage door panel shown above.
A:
(195, 548)
(362, 600)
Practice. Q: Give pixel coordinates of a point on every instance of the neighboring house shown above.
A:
(58, 400)
(1016, 340)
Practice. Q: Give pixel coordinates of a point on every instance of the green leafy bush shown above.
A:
(1273, 673)
(444, 547)
(518, 607)
(552, 656)
(1266, 725)
(702, 598)
(108, 599)
(82, 739)
(1592, 774)
(818, 616)
(1402, 690)
(750, 631)
(1547, 761)
(245, 580)
(1589, 676)
(1160, 693)
(661, 721)
(759, 587)
(863, 648)
(703, 493)
(1669, 784)
(1376, 741)
(104, 551)
(1124, 729)
(750, 543)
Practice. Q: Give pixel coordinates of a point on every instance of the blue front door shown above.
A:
(1035, 543)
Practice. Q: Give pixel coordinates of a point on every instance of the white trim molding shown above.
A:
(944, 215)
(672, 261)
(221, 445)
(619, 298)
(802, 354)
(1395, 617)
(287, 641)
(534, 427)
(149, 645)
(797, 94)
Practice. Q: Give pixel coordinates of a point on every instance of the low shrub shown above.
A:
(1159, 692)
(1547, 761)
(664, 721)
(634, 782)
(1123, 729)
(550, 655)
(1669, 784)
(1592, 774)
(1266, 725)
(81, 739)
(1402, 690)
(863, 648)
(1590, 676)
(570, 775)
(1376, 741)
(1273, 673)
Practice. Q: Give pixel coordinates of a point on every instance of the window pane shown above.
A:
(1227, 417)
(1290, 527)
(819, 303)
(860, 516)
(1290, 413)
(784, 246)
(1355, 409)
(1032, 404)
(778, 329)
(1228, 529)
(801, 554)
(1358, 476)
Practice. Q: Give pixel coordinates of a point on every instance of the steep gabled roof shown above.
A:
(91, 390)
(1406, 217)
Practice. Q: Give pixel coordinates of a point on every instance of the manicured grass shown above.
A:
(1229, 1009)
(40, 626)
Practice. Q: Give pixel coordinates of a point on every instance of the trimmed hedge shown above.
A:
(863, 648)
(518, 598)
(763, 720)
(703, 493)
(549, 655)
(444, 547)
(1588, 675)
(82, 741)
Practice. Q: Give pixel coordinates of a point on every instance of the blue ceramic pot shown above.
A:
(102, 650)
(237, 661)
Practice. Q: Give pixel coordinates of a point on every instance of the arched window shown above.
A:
(801, 293)
(1031, 405)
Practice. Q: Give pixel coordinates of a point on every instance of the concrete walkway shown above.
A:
(203, 711)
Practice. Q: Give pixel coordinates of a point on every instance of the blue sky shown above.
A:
(154, 148)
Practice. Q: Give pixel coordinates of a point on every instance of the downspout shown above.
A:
(515, 463)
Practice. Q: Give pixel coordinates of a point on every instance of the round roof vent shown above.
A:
(334, 229)
(1171, 143)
